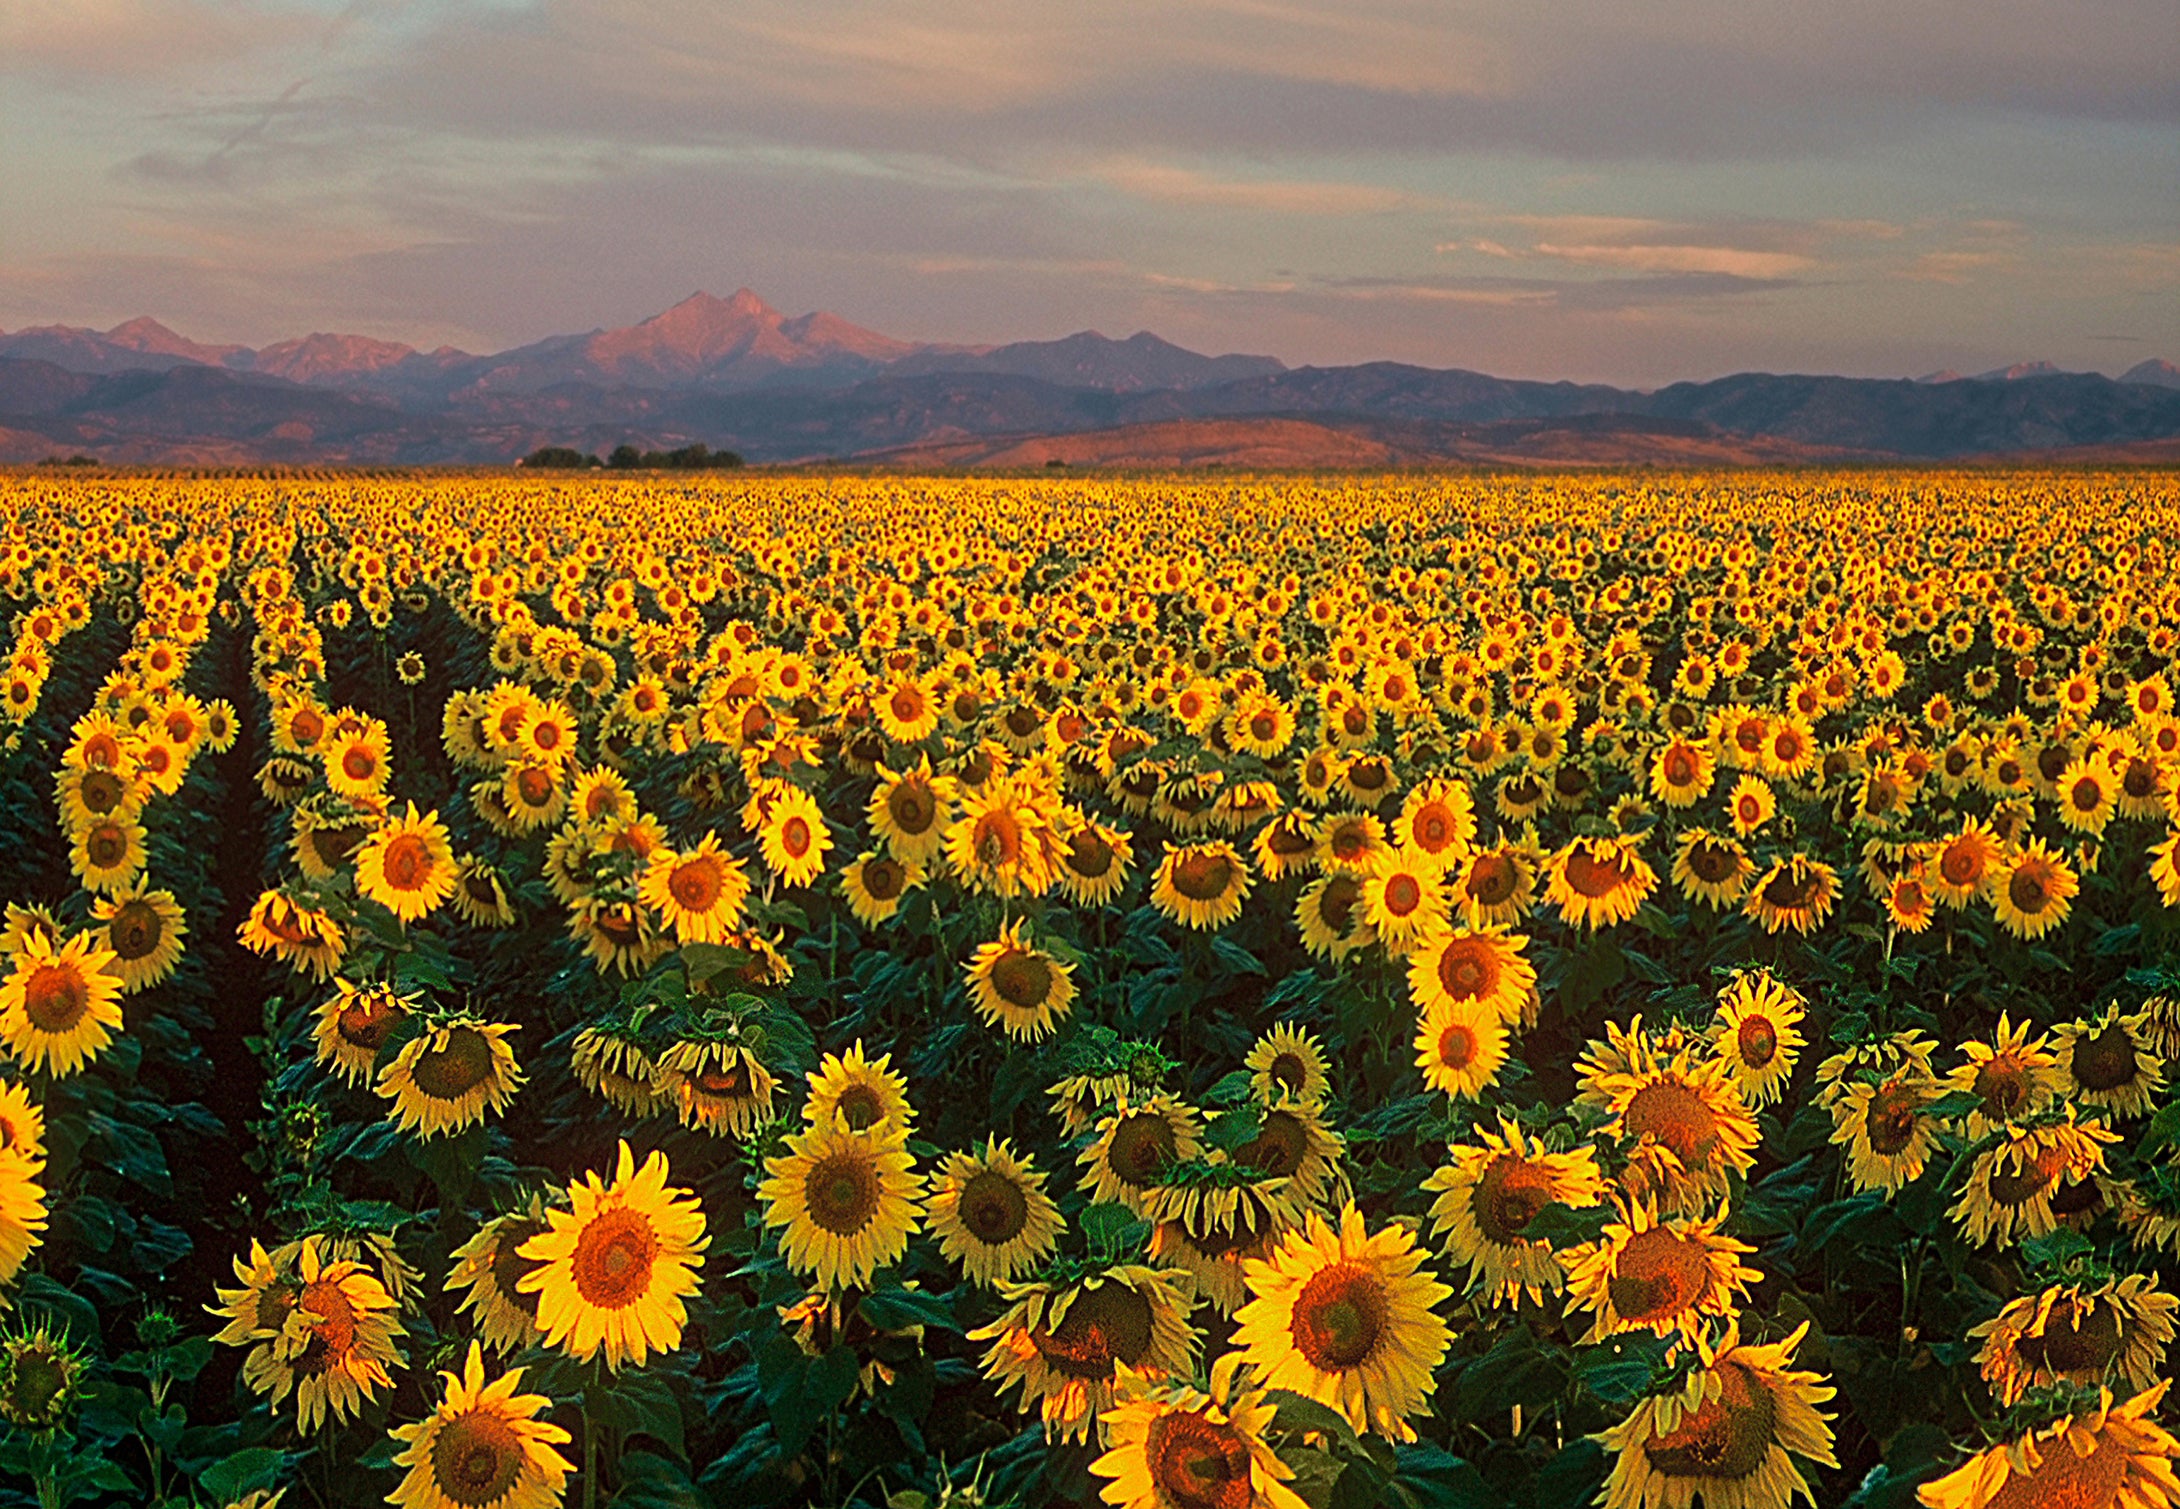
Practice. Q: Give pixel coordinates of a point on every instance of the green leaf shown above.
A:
(1433, 1478)
(1233, 1130)
(1568, 1225)
(1105, 1226)
(652, 1482)
(1623, 1369)
(896, 1309)
(1956, 1103)
(641, 1402)
(2163, 1131)
(2055, 1249)
(243, 1473)
(1571, 1477)
(1299, 1412)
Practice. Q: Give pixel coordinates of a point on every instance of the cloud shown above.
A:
(1733, 262)
(1182, 186)
(133, 40)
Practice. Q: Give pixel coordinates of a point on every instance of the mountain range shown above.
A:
(737, 374)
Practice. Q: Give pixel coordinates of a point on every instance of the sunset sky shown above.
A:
(1573, 188)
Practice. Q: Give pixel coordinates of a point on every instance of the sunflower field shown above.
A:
(1479, 993)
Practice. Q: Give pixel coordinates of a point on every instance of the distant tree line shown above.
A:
(689, 458)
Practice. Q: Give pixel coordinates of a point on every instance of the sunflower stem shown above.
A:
(590, 1451)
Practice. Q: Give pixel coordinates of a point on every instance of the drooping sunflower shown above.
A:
(1135, 1145)
(407, 866)
(2011, 1184)
(483, 1445)
(1797, 892)
(2116, 1456)
(1212, 1219)
(1018, 987)
(2110, 1061)
(1065, 1343)
(354, 1023)
(794, 839)
(1599, 882)
(300, 936)
(859, 1093)
(1494, 887)
(2077, 1333)
(1666, 1276)
(2015, 1075)
(1757, 1033)
(614, 1270)
(480, 894)
(1329, 916)
(2033, 890)
(1293, 1143)
(700, 891)
(1287, 1063)
(490, 1267)
(1201, 885)
(449, 1075)
(614, 1063)
(1176, 1448)
(1489, 1192)
(1689, 1128)
(1884, 1128)
(1093, 863)
(1346, 1318)
(991, 1214)
(1724, 1435)
(144, 931)
(59, 1006)
(848, 1201)
(1460, 1048)
(1710, 868)
(720, 1087)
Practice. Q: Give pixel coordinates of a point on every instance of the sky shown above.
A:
(1582, 189)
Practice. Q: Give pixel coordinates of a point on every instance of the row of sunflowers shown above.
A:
(1507, 993)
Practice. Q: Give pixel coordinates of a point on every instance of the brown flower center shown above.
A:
(613, 1258)
(407, 863)
(697, 884)
(1203, 876)
(1727, 1437)
(1339, 1317)
(367, 1017)
(2106, 1060)
(1278, 1148)
(2080, 1336)
(1022, 979)
(450, 1069)
(1197, 1464)
(1111, 1323)
(993, 1207)
(1757, 1041)
(1508, 1195)
(134, 930)
(1143, 1144)
(1659, 1275)
(1592, 877)
(842, 1192)
(1677, 1116)
(1889, 1123)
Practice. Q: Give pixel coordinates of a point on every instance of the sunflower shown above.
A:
(482, 1445)
(490, 1267)
(22, 1123)
(1666, 1276)
(1201, 885)
(718, 1086)
(1489, 1193)
(1287, 845)
(1599, 882)
(1346, 1318)
(1683, 772)
(1403, 900)
(794, 839)
(1495, 887)
(358, 762)
(1175, 1448)
(449, 1075)
(997, 844)
(859, 1093)
(1484, 970)
(2015, 1076)
(1350, 843)
(1328, 915)
(2033, 890)
(144, 931)
(1690, 1129)
(2088, 792)
(1725, 1434)
(2074, 1333)
(911, 811)
(480, 894)
(2011, 1184)
(613, 1271)
(1212, 1219)
(407, 866)
(1287, 1063)
(613, 1063)
(2109, 1456)
(1965, 864)
(1018, 987)
(1886, 1130)
(108, 854)
(876, 884)
(1093, 863)
(60, 1006)
(354, 1023)
(848, 1200)
(1437, 822)
(700, 891)
(22, 1210)
(907, 712)
(991, 1214)
(1065, 1343)
(2111, 1062)
(1134, 1147)
(1293, 1143)
(1757, 1034)
(1711, 869)
(1460, 1048)
(334, 1343)
(1796, 892)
